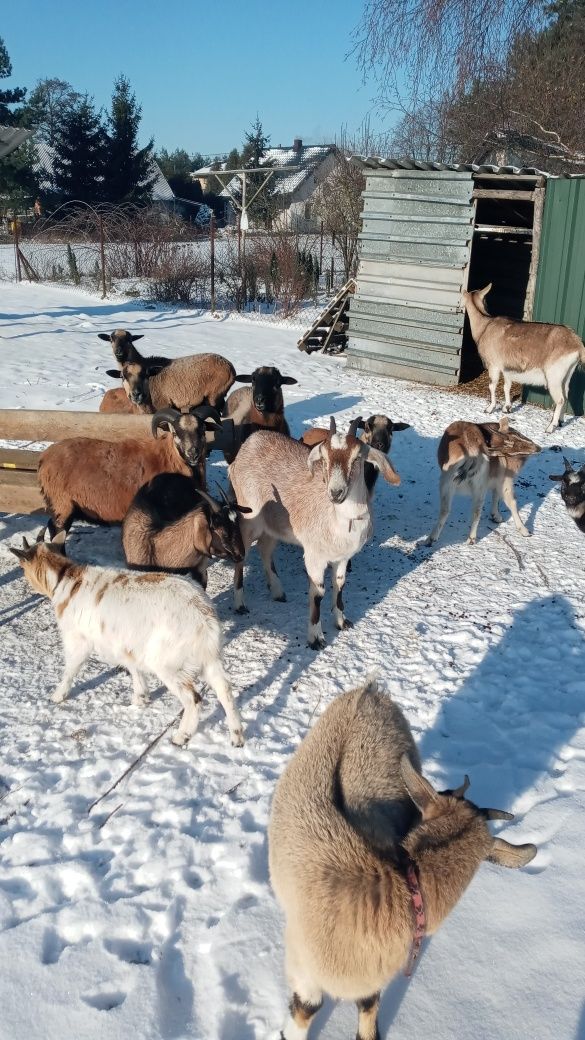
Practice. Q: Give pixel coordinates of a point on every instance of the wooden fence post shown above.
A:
(16, 247)
(212, 251)
(103, 256)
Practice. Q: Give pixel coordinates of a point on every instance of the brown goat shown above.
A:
(187, 382)
(259, 406)
(97, 479)
(116, 402)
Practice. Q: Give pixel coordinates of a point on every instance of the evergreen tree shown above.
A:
(256, 144)
(78, 169)
(233, 160)
(129, 176)
(175, 164)
(8, 97)
(47, 104)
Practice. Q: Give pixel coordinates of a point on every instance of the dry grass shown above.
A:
(480, 387)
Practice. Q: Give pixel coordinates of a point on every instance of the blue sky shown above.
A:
(201, 70)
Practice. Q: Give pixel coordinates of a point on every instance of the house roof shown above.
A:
(306, 157)
(161, 192)
(11, 137)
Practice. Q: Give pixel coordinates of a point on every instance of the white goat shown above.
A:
(330, 518)
(361, 847)
(475, 458)
(524, 352)
(153, 622)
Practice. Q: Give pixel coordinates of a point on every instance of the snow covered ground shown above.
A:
(150, 915)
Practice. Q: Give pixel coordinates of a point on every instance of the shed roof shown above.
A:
(373, 162)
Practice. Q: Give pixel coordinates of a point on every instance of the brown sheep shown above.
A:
(97, 479)
(187, 382)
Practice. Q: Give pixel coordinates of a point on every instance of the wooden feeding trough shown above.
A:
(19, 489)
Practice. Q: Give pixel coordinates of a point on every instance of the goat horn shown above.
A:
(354, 426)
(205, 411)
(223, 494)
(460, 791)
(568, 466)
(497, 814)
(213, 505)
(332, 426)
(169, 415)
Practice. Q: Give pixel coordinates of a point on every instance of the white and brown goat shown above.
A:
(475, 458)
(354, 826)
(316, 499)
(533, 352)
(259, 406)
(97, 479)
(378, 432)
(173, 525)
(573, 492)
(147, 623)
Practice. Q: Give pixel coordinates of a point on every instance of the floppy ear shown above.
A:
(379, 460)
(113, 373)
(243, 509)
(210, 424)
(422, 793)
(288, 381)
(556, 476)
(105, 335)
(134, 338)
(315, 455)
(244, 379)
(506, 855)
(398, 426)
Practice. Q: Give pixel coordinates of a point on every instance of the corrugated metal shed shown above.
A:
(560, 283)
(406, 318)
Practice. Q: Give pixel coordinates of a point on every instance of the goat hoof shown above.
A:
(524, 532)
(497, 519)
(471, 541)
(58, 698)
(507, 408)
(346, 624)
(280, 599)
(180, 739)
(242, 610)
(237, 738)
(428, 541)
(317, 644)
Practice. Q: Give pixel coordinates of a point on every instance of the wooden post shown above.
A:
(332, 270)
(103, 256)
(16, 248)
(321, 249)
(212, 252)
(536, 232)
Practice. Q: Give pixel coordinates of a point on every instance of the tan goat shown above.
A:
(524, 352)
(475, 458)
(353, 824)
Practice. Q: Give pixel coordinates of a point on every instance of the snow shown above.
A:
(151, 914)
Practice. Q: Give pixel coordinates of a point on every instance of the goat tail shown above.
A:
(581, 361)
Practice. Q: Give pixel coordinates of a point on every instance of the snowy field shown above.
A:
(150, 915)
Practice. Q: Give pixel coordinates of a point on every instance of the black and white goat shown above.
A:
(259, 406)
(573, 492)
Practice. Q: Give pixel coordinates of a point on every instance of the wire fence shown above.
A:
(153, 254)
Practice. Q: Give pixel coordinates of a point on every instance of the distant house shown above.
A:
(293, 192)
(162, 194)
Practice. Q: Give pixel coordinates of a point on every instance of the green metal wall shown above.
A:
(560, 283)
(405, 318)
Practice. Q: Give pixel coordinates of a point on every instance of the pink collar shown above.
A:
(420, 920)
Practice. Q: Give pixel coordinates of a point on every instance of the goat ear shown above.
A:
(422, 793)
(243, 509)
(134, 338)
(315, 455)
(482, 293)
(379, 460)
(288, 381)
(398, 426)
(154, 370)
(27, 551)
(104, 335)
(556, 476)
(244, 379)
(113, 373)
(506, 855)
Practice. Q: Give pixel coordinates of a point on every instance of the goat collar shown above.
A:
(420, 919)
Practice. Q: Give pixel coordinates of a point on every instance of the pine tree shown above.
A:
(256, 144)
(129, 176)
(233, 160)
(78, 168)
(8, 97)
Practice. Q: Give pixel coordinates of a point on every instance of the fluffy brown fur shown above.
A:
(115, 402)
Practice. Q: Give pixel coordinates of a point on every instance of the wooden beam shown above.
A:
(504, 194)
(497, 229)
(536, 232)
(19, 459)
(21, 424)
(20, 493)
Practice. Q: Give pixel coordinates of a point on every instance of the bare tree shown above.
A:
(338, 203)
(438, 44)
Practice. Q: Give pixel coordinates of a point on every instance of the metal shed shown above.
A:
(429, 229)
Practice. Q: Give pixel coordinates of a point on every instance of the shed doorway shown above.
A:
(504, 251)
